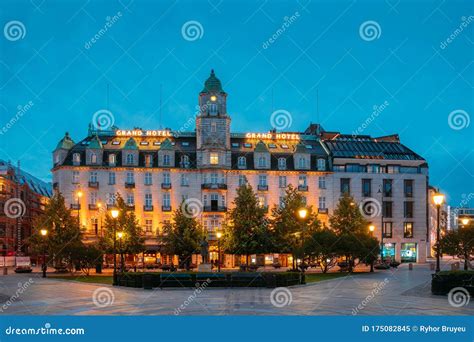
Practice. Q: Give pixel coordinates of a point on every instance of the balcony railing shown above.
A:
(261, 187)
(166, 185)
(130, 185)
(94, 185)
(214, 186)
(75, 206)
(131, 206)
(93, 207)
(322, 210)
(302, 188)
(147, 208)
(111, 206)
(211, 208)
(165, 208)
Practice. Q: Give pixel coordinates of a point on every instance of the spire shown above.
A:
(66, 142)
(95, 143)
(212, 84)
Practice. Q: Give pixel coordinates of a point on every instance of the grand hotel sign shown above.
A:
(273, 136)
(142, 133)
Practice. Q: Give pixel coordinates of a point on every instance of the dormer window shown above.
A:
(262, 162)
(282, 163)
(130, 159)
(302, 162)
(112, 159)
(185, 161)
(76, 158)
(321, 164)
(93, 158)
(166, 160)
(242, 162)
(148, 160)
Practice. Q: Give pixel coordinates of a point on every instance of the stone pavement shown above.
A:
(397, 292)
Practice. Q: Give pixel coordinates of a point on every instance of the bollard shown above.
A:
(5, 271)
(410, 266)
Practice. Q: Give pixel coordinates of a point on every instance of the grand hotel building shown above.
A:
(155, 170)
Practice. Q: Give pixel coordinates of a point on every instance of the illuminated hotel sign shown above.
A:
(142, 133)
(273, 136)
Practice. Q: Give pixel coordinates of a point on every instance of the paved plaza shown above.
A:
(397, 292)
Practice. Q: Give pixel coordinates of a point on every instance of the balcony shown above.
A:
(302, 188)
(129, 185)
(261, 187)
(216, 208)
(165, 208)
(147, 208)
(214, 186)
(93, 207)
(131, 207)
(111, 206)
(94, 185)
(322, 210)
(75, 206)
(166, 186)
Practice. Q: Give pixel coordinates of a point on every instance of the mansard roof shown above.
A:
(95, 143)
(65, 143)
(212, 84)
(21, 177)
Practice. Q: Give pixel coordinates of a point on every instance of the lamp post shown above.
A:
(120, 237)
(302, 213)
(371, 229)
(99, 207)
(219, 235)
(465, 221)
(381, 223)
(438, 200)
(44, 232)
(78, 196)
(115, 213)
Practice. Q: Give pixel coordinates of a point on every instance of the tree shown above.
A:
(289, 229)
(86, 257)
(347, 217)
(322, 248)
(182, 237)
(459, 243)
(133, 241)
(63, 232)
(248, 231)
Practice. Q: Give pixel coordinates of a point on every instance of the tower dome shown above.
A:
(212, 84)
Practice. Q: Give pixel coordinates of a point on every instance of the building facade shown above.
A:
(22, 199)
(155, 170)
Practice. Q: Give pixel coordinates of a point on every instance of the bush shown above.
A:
(443, 282)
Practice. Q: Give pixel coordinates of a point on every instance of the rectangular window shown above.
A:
(408, 230)
(130, 178)
(387, 209)
(339, 168)
(282, 181)
(166, 178)
(75, 177)
(408, 209)
(345, 186)
(321, 164)
(93, 198)
(281, 202)
(387, 229)
(93, 177)
(95, 225)
(148, 160)
(373, 168)
(111, 178)
(184, 180)
(262, 201)
(148, 200)
(166, 199)
(302, 180)
(148, 226)
(408, 187)
(111, 198)
(322, 182)
(148, 179)
(130, 199)
(214, 158)
(322, 202)
(366, 187)
(112, 159)
(393, 169)
(214, 178)
(387, 188)
(242, 180)
(262, 180)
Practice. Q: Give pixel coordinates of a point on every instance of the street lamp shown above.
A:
(219, 235)
(99, 207)
(79, 195)
(120, 237)
(114, 213)
(438, 200)
(302, 213)
(465, 221)
(44, 232)
(371, 229)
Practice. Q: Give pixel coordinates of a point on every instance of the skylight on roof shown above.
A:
(115, 142)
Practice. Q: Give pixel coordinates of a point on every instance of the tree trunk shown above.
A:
(466, 260)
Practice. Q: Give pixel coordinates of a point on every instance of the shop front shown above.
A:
(408, 252)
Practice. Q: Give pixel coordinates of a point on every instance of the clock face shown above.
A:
(213, 98)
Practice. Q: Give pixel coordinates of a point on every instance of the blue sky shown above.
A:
(322, 48)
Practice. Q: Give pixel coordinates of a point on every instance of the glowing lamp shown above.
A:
(114, 213)
(44, 232)
(438, 199)
(302, 213)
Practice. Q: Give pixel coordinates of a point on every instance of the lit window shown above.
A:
(214, 159)
(148, 226)
(112, 159)
(148, 160)
(76, 158)
(93, 158)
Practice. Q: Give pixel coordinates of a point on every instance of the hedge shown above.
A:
(445, 281)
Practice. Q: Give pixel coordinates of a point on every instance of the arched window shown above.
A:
(302, 162)
(166, 160)
(76, 158)
(322, 164)
(282, 163)
(262, 162)
(185, 161)
(242, 162)
(93, 158)
(130, 158)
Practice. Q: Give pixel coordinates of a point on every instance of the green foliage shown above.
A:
(321, 248)
(347, 217)
(64, 234)
(182, 237)
(86, 257)
(459, 243)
